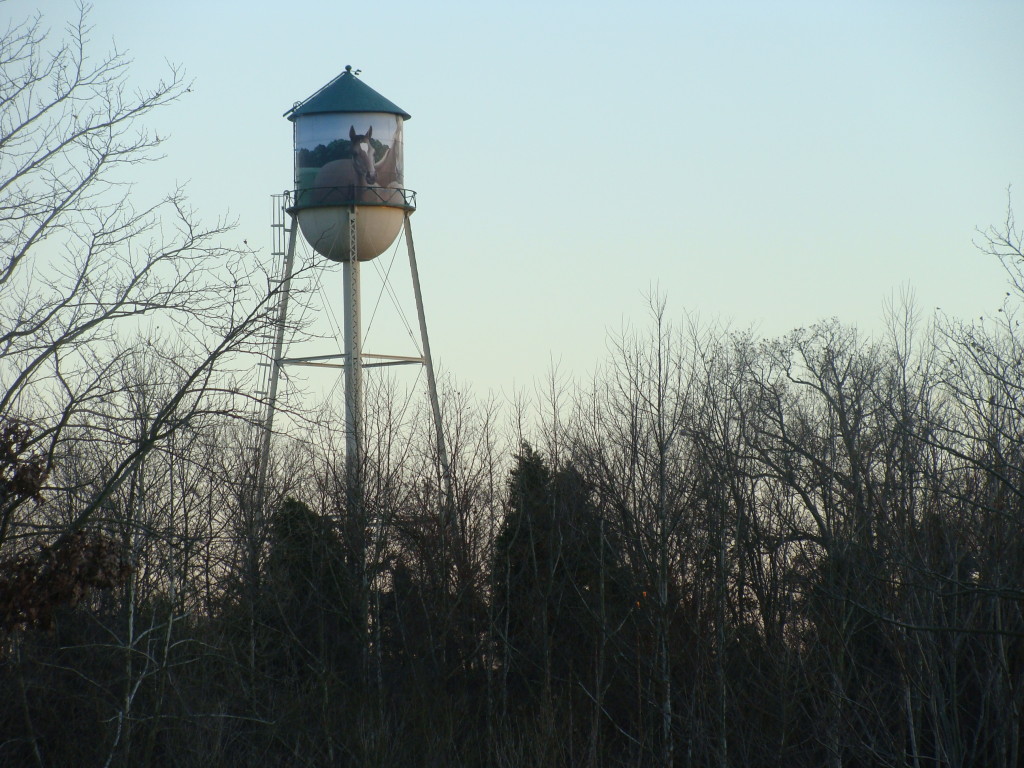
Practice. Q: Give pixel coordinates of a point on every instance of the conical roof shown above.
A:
(345, 93)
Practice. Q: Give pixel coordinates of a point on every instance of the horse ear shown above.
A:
(352, 133)
(369, 132)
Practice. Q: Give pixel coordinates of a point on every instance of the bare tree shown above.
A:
(87, 274)
(123, 324)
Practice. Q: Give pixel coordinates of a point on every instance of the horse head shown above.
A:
(362, 156)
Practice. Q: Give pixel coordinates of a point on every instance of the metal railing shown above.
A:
(350, 194)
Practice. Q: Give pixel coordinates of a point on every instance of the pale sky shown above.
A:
(762, 164)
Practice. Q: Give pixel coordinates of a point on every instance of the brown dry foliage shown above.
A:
(32, 588)
(22, 472)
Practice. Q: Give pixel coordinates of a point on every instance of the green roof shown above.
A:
(345, 93)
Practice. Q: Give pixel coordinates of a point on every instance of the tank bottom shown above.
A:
(326, 229)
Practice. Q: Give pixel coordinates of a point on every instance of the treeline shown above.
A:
(722, 551)
(339, 149)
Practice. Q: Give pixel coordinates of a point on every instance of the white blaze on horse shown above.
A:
(362, 156)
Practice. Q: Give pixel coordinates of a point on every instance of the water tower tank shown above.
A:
(348, 155)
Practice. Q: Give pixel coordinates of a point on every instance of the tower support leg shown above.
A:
(428, 361)
(275, 368)
(353, 365)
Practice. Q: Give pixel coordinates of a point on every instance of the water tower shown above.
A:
(348, 158)
(350, 204)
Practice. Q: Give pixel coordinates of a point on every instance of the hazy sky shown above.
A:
(766, 164)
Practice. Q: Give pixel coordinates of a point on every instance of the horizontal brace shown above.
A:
(403, 358)
(392, 362)
(315, 365)
(341, 366)
(317, 358)
(300, 360)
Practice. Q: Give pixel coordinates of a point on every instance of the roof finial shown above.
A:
(348, 70)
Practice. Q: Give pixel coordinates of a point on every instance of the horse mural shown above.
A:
(362, 156)
(360, 178)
